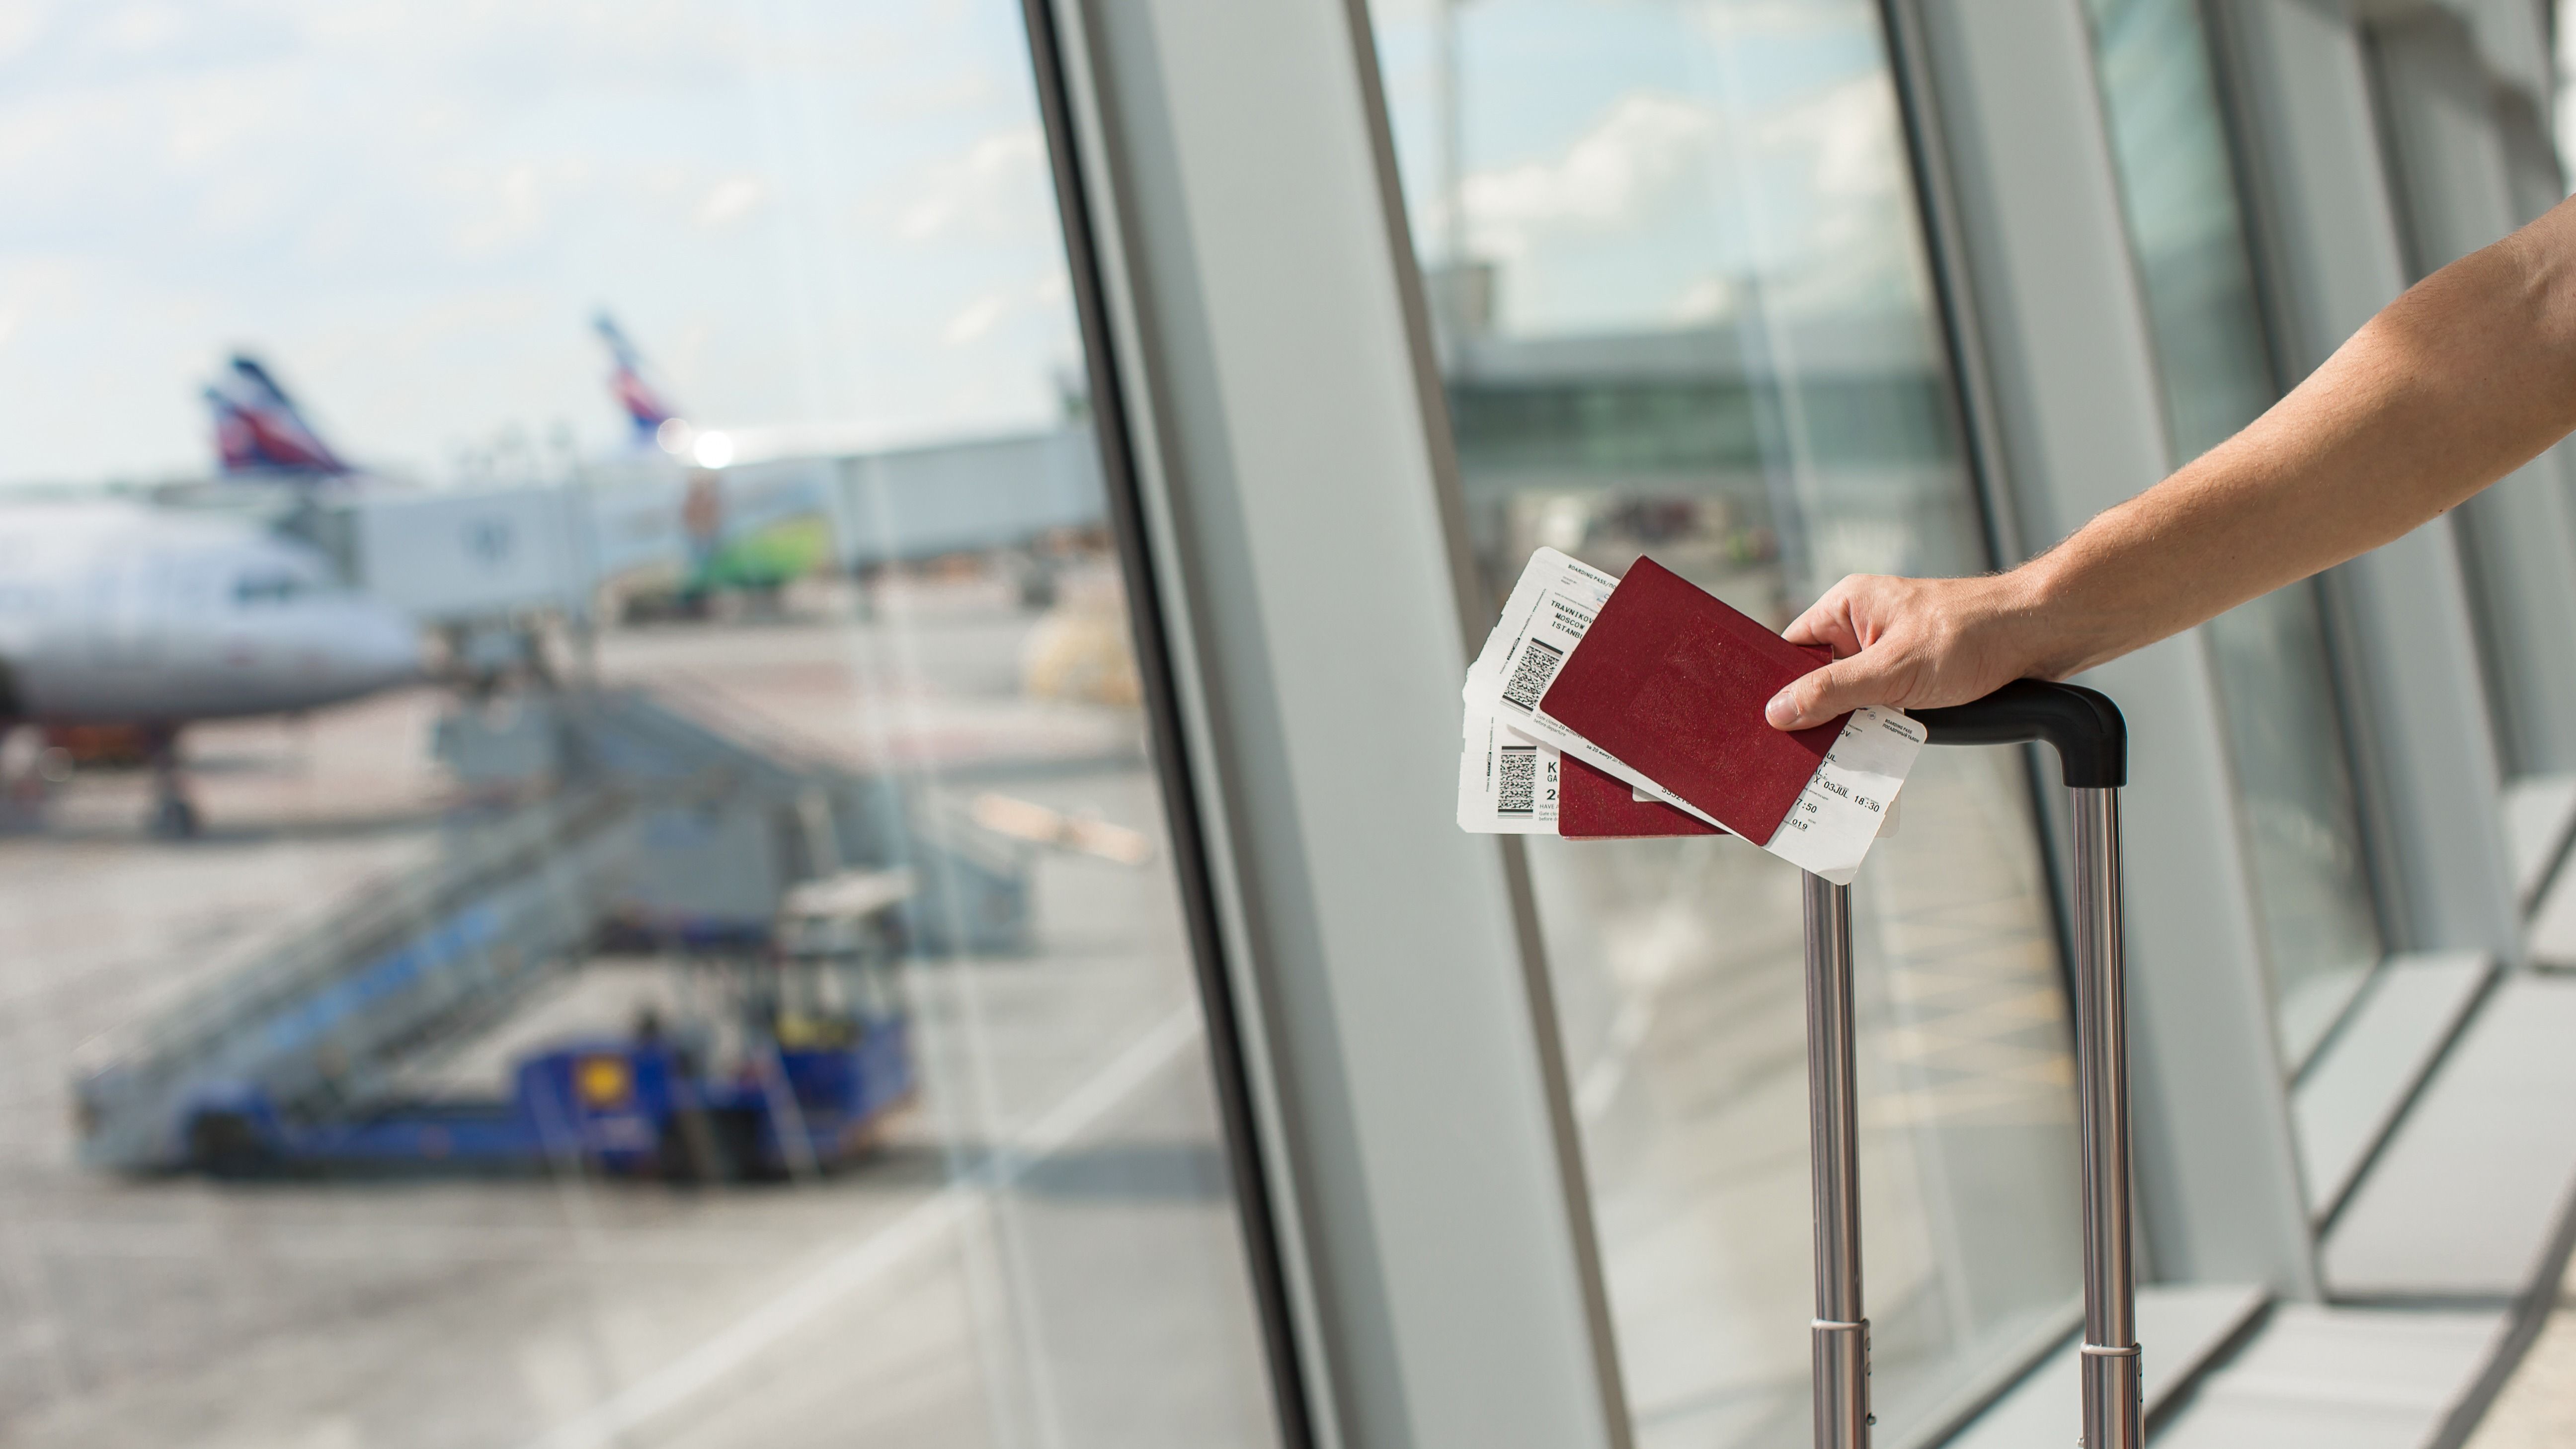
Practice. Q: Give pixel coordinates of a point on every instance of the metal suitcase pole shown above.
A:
(1840, 1332)
(2091, 742)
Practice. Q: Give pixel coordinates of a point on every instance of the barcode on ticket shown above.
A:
(1531, 673)
(1519, 785)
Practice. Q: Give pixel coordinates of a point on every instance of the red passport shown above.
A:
(1672, 682)
(1596, 805)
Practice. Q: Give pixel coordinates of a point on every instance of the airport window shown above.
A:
(1684, 311)
(579, 859)
(2292, 760)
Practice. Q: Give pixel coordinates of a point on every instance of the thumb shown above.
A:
(1816, 697)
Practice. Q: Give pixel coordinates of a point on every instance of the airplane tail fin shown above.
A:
(645, 407)
(259, 429)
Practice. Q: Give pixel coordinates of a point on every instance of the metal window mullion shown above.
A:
(2060, 322)
(1973, 401)
(1474, 610)
(2326, 240)
(1260, 1173)
(2450, 179)
(1419, 1193)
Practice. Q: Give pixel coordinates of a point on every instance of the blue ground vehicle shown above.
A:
(797, 887)
(818, 1057)
(642, 1106)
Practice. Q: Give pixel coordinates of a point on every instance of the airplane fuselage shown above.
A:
(117, 614)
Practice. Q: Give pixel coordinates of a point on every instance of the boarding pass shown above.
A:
(1830, 828)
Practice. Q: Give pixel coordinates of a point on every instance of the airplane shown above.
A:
(119, 615)
(259, 429)
(655, 421)
(732, 535)
(755, 507)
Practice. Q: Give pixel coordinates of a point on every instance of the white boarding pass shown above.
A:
(1830, 828)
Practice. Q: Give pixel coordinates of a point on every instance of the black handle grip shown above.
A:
(2084, 726)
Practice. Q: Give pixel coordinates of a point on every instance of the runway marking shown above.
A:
(924, 1226)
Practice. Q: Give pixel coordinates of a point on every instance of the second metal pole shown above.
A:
(1841, 1332)
(2113, 1417)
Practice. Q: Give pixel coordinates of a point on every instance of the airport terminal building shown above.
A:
(970, 943)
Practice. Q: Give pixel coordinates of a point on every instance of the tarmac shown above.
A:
(1045, 1252)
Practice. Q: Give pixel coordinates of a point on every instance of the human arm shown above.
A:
(2463, 379)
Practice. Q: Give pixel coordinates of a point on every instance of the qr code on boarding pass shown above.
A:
(1520, 781)
(1530, 675)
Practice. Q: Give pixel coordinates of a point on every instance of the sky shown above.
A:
(805, 212)
(1629, 163)
(827, 213)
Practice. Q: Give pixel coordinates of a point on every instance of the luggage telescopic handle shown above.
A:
(2084, 726)
(2092, 744)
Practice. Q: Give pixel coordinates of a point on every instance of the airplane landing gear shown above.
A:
(174, 816)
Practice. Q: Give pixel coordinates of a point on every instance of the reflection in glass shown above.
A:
(2293, 764)
(1684, 312)
(567, 878)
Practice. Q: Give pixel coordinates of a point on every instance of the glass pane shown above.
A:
(733, 991)
(1685, 312)
(2292, 762)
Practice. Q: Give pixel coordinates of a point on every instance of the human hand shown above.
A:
(1916, 644)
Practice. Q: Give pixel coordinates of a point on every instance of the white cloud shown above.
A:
(976, 319)
(506, 208)
(146, 27)
(210, 118)
(1851, 244)
(21, 21)
(1708, 300)
(1651, 151)
(996, 189)
(1850, 133)
(1658, 210)
(730, 200)
(1043, 296)
(1630, 163)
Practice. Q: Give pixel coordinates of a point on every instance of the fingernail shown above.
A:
(1780, 711)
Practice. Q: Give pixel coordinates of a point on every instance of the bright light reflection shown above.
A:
(713, 450)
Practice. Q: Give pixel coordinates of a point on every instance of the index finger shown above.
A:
(1828, 622)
